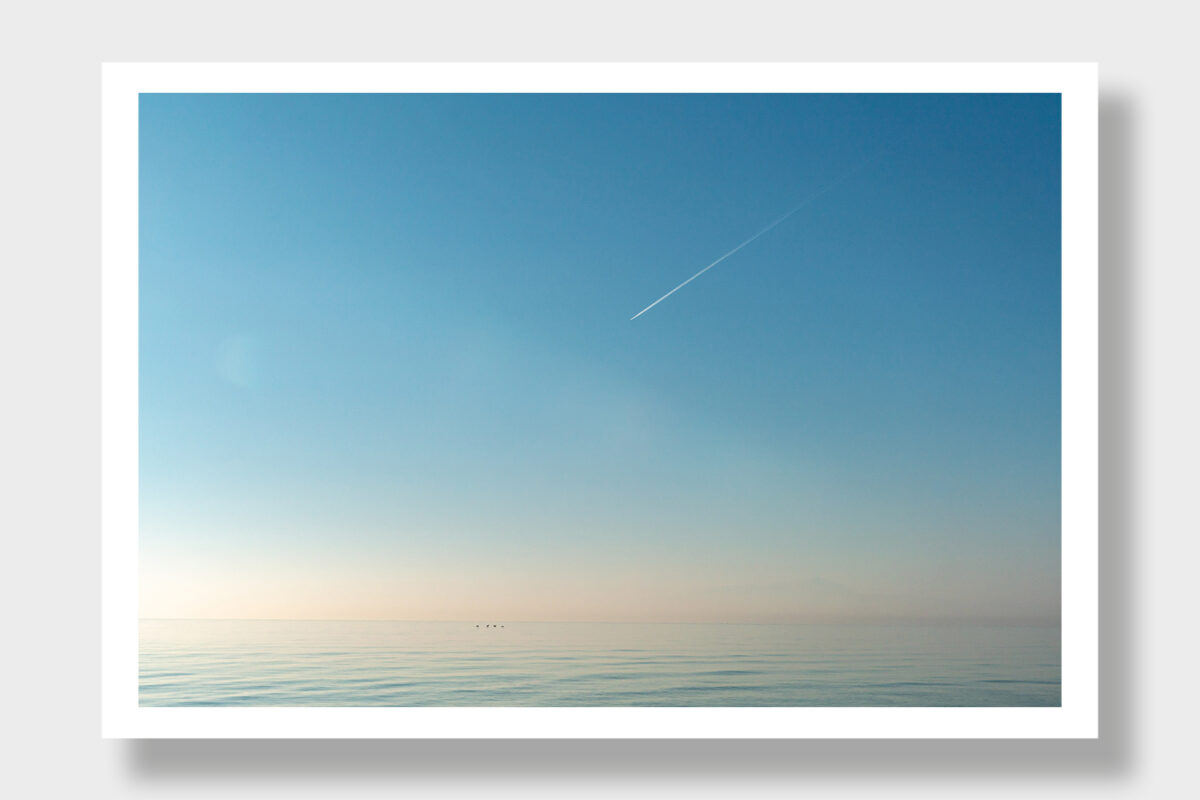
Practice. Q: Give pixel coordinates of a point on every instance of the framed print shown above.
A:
(599, 400)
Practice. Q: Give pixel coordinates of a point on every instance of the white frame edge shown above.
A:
(1078, 717)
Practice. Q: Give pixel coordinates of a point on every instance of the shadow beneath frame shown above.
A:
(1114, 753)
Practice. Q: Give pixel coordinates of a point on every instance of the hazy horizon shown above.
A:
(388, 369)
(999, 621)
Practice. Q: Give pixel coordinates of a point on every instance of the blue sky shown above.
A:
(388, 368)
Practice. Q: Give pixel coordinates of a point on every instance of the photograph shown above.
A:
(576, 399)
(599, 399)
(639, 400)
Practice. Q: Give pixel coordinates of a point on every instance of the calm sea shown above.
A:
(259, 663)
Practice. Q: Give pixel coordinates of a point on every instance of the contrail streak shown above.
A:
(826, 188)
(713, 264)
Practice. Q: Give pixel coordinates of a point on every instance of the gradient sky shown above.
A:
(388, 368)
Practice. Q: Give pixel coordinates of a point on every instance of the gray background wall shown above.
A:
(49, 428)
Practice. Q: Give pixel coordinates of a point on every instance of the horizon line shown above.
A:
(1044, 621)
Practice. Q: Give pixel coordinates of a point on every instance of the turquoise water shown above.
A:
(276, 663)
